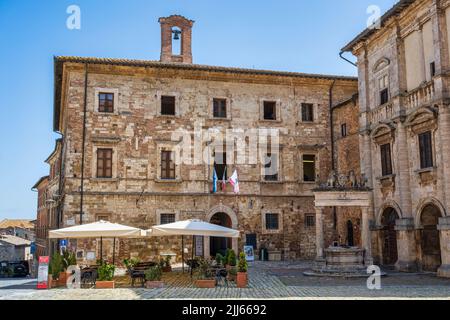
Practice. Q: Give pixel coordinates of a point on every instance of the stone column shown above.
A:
(444, 233)
(367, 158)
(403, 171)
(444, 132)
(320, 255)
(365, 236)
(406, 245)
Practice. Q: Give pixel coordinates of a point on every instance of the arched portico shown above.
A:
(221, 214)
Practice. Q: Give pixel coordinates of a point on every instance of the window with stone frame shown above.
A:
(167, 165)
(271, 167)
(426, 150)
(220, 165)
(166, 218)
(386, 159)
(104, 163)
(102, 218)
(310, 220)
(432, 69)
(309, 168)
(272, 221)
(270, 110)
(167, 105)
(219, 108)
(307, 112)
(106, 102)
(383, 85)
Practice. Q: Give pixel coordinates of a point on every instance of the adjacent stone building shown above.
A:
(122, 122)
(403, 70)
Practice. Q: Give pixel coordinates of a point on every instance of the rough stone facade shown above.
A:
(137, 133)
(403, 98)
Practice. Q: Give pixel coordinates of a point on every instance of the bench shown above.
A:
(138, 271)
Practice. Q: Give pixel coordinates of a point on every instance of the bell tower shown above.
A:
(176, 28)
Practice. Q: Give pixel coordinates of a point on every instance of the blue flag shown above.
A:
(214, 181)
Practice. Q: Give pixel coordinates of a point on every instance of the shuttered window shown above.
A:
(426, 150)
(104, 163)
(386, 159)
(167, 165)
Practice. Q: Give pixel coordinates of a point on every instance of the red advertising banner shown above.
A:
(42, 281)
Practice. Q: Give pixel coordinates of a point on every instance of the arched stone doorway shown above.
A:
(221, 215)
(389, 236)
(430, 242)
(218, 244)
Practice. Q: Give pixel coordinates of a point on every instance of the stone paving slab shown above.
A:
(267, 281)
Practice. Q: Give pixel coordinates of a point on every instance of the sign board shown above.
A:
(63, 243)
(90, 256)
(42, 280)
(32, 248)
(198, 246)
(249, 253)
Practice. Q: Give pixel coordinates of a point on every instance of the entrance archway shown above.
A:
(430, 243)
(219, 244)
(350, 237)
(389, 236)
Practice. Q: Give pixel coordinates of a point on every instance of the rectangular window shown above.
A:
(168, 105)
(309, 168)
(271, 167)
(386, 160)
(310, 221)
(220, 108)
(220, 165)
(106, 102)
(432, 69)
(272, 222)
(104, 163)
(167, 165)
(270, 110)
(166, 218)
(426, 150)
(102, 218)
(250, 240)
(384, 96)
(307, 112)
(343, 130)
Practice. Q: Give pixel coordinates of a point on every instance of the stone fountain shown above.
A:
(341, 261)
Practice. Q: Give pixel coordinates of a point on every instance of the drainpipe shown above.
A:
(333, 164)
(83, 155)
(341, 54)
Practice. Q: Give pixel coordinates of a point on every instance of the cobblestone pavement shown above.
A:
(268, 280)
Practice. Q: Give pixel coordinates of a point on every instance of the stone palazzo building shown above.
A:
(118, 120)
(404, 79)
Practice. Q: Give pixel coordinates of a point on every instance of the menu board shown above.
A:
(42, 281)
(198, 246)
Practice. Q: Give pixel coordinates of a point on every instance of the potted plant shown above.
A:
(67, 259)
(241, 278)
(231, 274)
(55, 269)
(231, 260)
(204, 276)
(131, 263)
(219, 259)
(105, 276)
(153, 278)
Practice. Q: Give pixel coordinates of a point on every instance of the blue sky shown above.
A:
(292, 35)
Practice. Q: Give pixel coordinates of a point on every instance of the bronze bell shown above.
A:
(176, 34)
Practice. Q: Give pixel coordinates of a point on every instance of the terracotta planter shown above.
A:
(154, 284)
(50, 281)
(167, 269)
(210, 283)
(241, 280)
(62, 280)
(104, 284)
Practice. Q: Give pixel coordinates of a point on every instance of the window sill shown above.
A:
(219, 119)
(103, 113)
(386, 177)
(308, 182)
(278, 231)
(105, 179)
(269, 121)
(271, 182)
(159, 180)
(426, 170)
(307, 122)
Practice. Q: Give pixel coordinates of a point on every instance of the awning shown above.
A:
(100, 229)
(192, 228)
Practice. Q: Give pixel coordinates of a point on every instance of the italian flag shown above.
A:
(234, 181)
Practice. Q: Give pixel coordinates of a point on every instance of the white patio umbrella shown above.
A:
(100, 229)
(192, 228)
